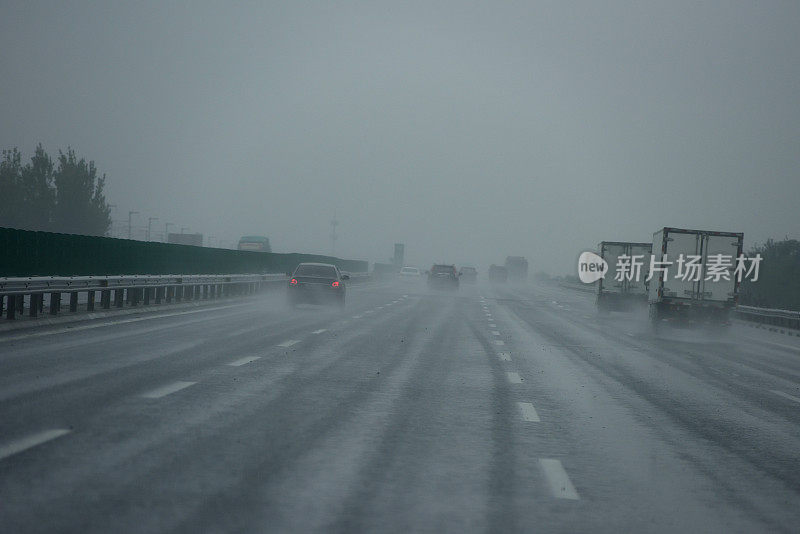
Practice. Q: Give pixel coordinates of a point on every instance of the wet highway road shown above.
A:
(494, 409)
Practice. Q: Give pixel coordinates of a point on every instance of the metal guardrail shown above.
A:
(785, 318)
(117, 291)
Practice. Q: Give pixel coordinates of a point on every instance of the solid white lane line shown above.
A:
(288, 343)
(505, 356)
(495, 332)
(113, 323)
(528, 412)
(163, 391)
(785, 395)
(514, 378)
(321, 330)
(499, 342)
(243, 361)
(31, 441)
(559, 481)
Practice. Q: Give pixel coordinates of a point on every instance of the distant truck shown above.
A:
(498, 274)
(617, 294)
(254, 243)
(703, 296)
(517, 268)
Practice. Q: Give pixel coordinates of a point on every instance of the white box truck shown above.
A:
(619, 292)
(704, 290)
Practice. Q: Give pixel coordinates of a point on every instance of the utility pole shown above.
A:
(334, 224)
(166, 231)
(149, 222)
(130, 216)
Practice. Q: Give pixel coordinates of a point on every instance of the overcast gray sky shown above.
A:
(469, 131)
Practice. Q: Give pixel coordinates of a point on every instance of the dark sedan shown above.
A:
(443, 277)
(317, 283)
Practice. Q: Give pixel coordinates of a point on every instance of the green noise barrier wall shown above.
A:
(25, 253)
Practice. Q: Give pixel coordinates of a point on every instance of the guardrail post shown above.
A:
(159, 292)
(33, 308)
(119, 297)
(11, 307)
(90, 301)
(73, 301)
(146, 296)
(54, 298)
(105, 299)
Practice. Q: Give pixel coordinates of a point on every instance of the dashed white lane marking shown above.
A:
(369, 311)
(245, 331)
(529, 412)
(495, 332)
(514, 378)
(586, 317)
(356, 317)
(782, 345)
(379, 308)
(492, 325)
(499, 342)
(321, 330)
(505, 356)
(405, 296)
(243, 361)
(559, 481)
(785, 395)
(163, 391)
(288, 343)
(31, 441)
(630, 334)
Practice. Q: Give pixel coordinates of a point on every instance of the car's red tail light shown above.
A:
(335, 283)
(294, 281)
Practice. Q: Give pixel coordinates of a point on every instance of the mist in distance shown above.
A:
(467, 132)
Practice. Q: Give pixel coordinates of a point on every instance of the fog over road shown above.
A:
(496, 409)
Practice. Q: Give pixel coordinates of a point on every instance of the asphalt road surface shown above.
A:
(494, 409)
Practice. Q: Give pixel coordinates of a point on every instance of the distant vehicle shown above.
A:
(517, 268)
(317, 283)
(443, 276)
(613, 293)
(694, 299)
(255, 243)
(469, 274)
(498, 274)
(410, 272)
